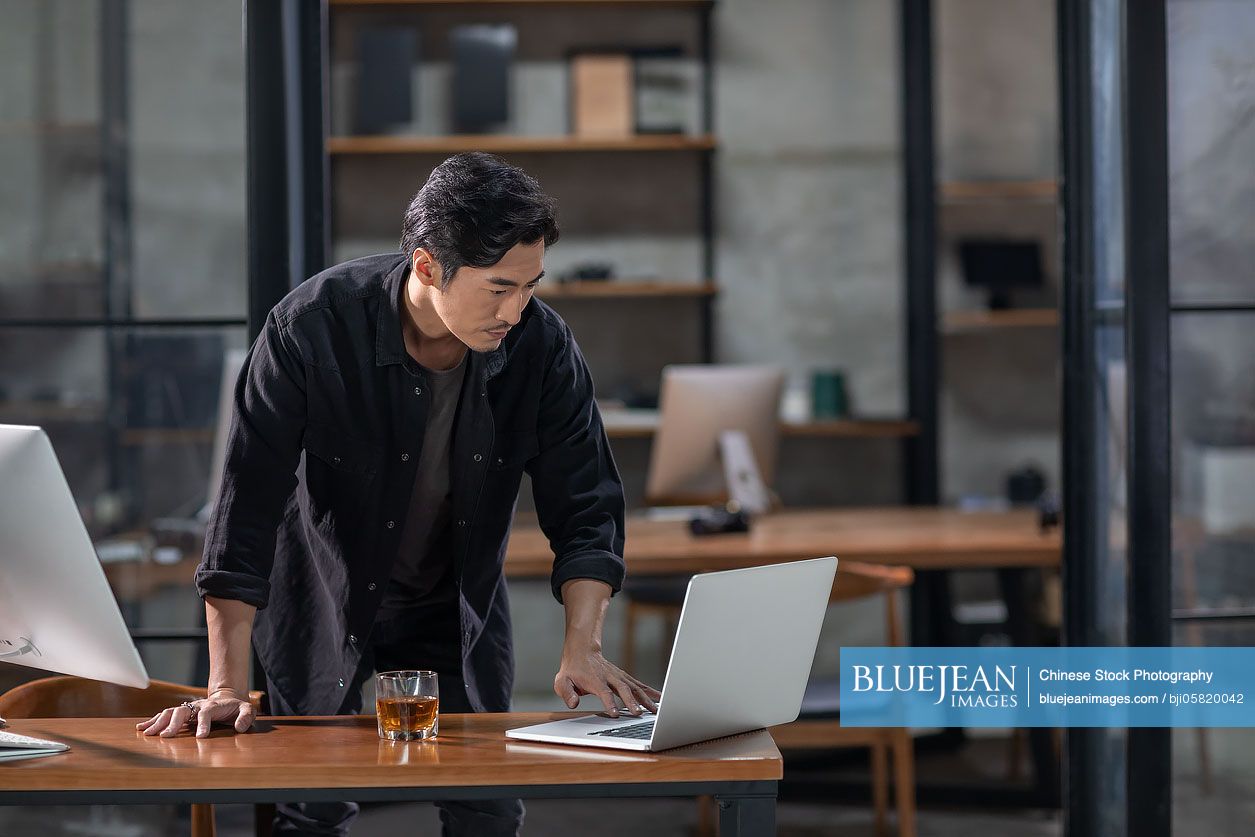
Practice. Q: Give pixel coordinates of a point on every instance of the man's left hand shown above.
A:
(589, 673)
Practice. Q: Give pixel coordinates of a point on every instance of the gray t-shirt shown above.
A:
(422, 575)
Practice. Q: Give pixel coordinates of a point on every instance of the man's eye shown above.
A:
(498, 293)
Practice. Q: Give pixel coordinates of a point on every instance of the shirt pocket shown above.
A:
(511, 451)
(339, 472)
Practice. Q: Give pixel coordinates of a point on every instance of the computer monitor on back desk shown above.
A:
(56, 609)
(699, 404)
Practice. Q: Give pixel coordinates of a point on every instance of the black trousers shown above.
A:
(404, 643)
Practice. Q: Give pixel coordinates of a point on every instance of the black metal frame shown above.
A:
(920, 207)
(929, 597)
(1082, 746)
(1149, 398)
(746, 808)
(707, 162)
(112, 323)
(931, 606)
(288, 219)
(116, 162)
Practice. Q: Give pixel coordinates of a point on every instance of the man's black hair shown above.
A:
(473, 208)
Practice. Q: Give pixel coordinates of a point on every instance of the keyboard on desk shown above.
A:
(640, 732)
(14, 746)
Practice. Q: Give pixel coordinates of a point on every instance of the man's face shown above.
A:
(482, 303)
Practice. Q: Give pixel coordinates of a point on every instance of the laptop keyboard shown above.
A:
(640, 732)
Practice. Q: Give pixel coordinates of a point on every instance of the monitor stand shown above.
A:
(740, 470)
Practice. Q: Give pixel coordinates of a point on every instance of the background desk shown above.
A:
(918, 537)
(322, 758)
(924, 538)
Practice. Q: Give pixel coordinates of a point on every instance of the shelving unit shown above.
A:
(140, 436)
(960, 322)
(643, 424)
(643, 4)
(998, 191)
(621, 288)
(50, 411)
(701, 145)
(503, 144)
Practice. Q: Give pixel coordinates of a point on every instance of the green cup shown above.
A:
(828, 397)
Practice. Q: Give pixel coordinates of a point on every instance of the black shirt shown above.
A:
(316, 488)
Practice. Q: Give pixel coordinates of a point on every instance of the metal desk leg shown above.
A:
(1046, 768)
(747, 816)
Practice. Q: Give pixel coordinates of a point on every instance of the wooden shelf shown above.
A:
(642, 424)
(629, 3)
(964, 321)
(997, 191)
(138, 436)
(853, 428)
(502, 144)
(40, 411)
(47, 128)
(619, 288)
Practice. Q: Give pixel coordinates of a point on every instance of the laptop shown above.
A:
(742, 655)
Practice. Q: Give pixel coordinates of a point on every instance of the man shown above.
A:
(382, 424)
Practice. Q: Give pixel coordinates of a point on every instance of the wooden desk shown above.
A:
(922, 538)
(328, 758)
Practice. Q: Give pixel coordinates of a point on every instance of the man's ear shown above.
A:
(426, 268)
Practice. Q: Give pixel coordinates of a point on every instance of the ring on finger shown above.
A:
(190, 706)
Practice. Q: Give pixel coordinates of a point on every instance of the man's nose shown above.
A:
(511, 311)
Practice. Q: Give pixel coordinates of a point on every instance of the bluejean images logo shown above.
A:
(957, 686)
(1048, 687)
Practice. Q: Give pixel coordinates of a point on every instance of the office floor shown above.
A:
(604, 818)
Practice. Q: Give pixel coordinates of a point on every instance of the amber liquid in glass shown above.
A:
(407, 717)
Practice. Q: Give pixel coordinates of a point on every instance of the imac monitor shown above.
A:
(56, 609)
(698, 404)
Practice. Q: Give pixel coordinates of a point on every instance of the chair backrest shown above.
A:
(856, 580)
(76, 697)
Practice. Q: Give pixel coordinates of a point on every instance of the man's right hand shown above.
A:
(220, 708)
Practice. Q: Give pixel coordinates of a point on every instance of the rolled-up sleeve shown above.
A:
(259, 471)
(579, 496)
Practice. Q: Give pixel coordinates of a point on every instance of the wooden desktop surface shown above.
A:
(925, 538)
(346, 752)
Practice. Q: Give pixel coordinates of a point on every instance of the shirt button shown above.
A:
(352, 639)
(478, 458)
(341, 682)
(500, 461)
(336, 460)
(370, 586)
(418, 390)
(462, 523)
(390, 524)
(405, 457)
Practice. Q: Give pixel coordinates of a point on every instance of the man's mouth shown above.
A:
(499, 333)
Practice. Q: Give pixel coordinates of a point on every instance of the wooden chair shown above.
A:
(819, 726)
(74, 697)
(647, 596)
